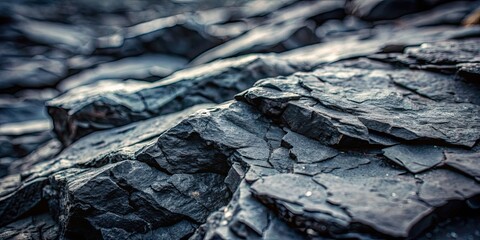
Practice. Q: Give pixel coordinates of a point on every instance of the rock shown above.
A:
(245, 217)
(441, 52)
(160, 35)
(379, 40)
(75, 39)
(450, 13)
(286, 29)
(464, 162)
(90, 108)
(375, 10)
(306, 103)
(446, 56)
(21, 138)
(40, 226)
(141, 67)
(306, 150)
(469, 71)
(415, 158)
(42, 153)
(95, 151)
(118, 200)
(371, 134)
(269, 38)
(30, 72)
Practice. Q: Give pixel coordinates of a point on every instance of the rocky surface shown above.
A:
(239, 119)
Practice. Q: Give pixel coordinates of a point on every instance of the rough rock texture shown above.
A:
(368, 129)
(106, 105)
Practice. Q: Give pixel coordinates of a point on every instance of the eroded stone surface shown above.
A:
(122, 198)
(371, 133)
(91, 108)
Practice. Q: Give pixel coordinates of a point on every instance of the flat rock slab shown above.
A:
(107, 105)
(415, 158)
(307, 102)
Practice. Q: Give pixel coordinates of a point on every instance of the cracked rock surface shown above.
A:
(288, 119)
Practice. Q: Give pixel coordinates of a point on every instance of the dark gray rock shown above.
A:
(21, 193)
(415, 158)
(118, 200)
(286, 29)
(30, 72)
(140, 67)
(446, 53)
(466, 162)
(108, 105)
(358, 146)
(245, 217)
(469, 71)
(40, 226)
(160, 35)
(263, 39)
(338, 115)
(375, 10)
(305, 150)
(446, 56)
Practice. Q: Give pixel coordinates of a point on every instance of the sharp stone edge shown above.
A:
(355, 138)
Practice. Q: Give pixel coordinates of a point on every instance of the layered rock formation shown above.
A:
(240, 120)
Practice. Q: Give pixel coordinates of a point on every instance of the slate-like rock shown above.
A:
(464, 162)
(20, 193)
(141, 67)
(372, 133)
(347, 115)
(446, 56)
(118, 200)
(107, 105)
(375, 10)
(40, 226)
(415, 158)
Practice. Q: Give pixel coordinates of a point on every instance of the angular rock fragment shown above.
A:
(269, 38)
(160, 35)
(467, 163)
(125, 197)
(375, 10)
(380, 40)
(95, 151)
(329, 204)
(245, 217)
(415, 158)
(92, 108)
(21, 138)
(306, 150)
(59, 35)
(343, 115)
(448, 52)
(470, 71)
(446, 56)
(215, 137)
(141, 67)
(40, 226)
(443, 187)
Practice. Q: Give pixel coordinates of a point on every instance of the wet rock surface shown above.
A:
(239, 119)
